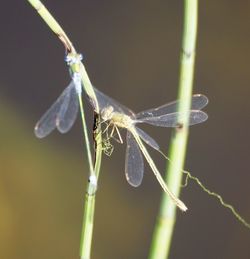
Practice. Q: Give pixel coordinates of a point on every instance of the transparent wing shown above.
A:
(68, 111)
(198, 102)
(48, 121)
(104, 101)
(147, 139)
(134, 165)
(172, 119)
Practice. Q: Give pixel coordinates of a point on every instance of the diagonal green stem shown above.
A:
(52, 23)
(89, 206)
(163, 232)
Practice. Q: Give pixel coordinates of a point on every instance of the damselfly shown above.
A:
(119, 116)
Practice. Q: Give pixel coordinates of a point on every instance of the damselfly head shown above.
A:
(107, 113)
(72, 59)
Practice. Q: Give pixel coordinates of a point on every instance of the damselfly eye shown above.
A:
(68, 59)
(80, 56)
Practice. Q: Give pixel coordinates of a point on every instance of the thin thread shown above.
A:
(216, 195)
(211, 193)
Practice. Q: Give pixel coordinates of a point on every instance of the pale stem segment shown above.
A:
(164, 228)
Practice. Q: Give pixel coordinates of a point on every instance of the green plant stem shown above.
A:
(52, 23)
(89, 206)
(163, 232)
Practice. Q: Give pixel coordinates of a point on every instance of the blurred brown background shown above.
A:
(131, 51)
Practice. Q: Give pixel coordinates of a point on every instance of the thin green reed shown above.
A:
(164, 228)
(89, 206)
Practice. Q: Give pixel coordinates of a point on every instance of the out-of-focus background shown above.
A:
(131, 52)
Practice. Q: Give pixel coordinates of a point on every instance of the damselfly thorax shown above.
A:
(120, 120)
(114, 120)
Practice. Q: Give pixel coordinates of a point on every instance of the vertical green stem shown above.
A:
(87, 227)
(89, 206)
(163, 232)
